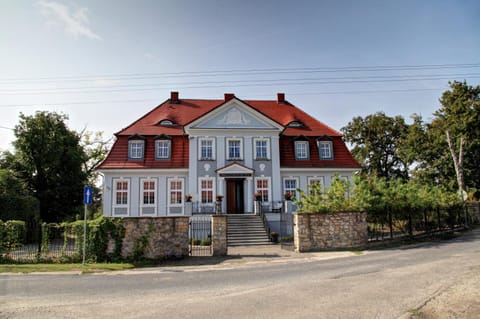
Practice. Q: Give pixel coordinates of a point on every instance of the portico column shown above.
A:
(250, 194)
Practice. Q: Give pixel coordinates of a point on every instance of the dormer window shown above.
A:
(136, 149)
(166, 123)
(301, 150)
(162, 149)
(295, 124)
(325, 149)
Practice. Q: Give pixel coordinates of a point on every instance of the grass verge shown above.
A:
(87, 268)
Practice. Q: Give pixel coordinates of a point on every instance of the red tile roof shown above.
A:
(185, 111)
(189, 110)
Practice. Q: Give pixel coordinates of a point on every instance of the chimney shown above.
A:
(281, 98)
(174, 98)
(229, 96)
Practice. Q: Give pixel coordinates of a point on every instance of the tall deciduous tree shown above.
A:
(49, 158)
(459, 114)
(376, 139)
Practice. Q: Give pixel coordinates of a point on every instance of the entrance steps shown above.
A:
(246, 230)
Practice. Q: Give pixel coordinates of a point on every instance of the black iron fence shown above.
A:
(394, 224)
(47, 242)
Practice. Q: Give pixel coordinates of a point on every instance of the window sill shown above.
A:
(234, 159)
(262, 159)
(206, 159)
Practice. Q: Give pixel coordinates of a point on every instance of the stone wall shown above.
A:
(330, 231)
(154, 237)
(219, 235)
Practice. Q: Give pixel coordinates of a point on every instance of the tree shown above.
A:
(15, 200)
(376, 140)
(49, 159)
(459, 114)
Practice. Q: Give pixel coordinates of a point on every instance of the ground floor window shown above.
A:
(148, 190)
(121, 196)
(175, 195)
(290, 186)
(318, 181)
(207, 190)
(262, 188)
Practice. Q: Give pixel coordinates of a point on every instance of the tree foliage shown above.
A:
(459, 114)
(49, 159)
(15, 200)
(375, 141)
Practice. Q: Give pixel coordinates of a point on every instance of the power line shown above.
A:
(385, 77)
(250, 72)
(225, 85)
(293, 94)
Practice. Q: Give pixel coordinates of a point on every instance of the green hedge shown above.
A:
(12, 234)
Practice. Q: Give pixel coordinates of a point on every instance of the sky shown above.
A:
(106, 63)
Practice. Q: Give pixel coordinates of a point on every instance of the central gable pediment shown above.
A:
(234, 114)
(235, 170)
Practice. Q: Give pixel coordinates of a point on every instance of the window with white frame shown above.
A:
(234, 149)
(326, 149)
(262, 187)
(148, 191)
(121, 196)
(136, 149)
(318, 181)
(262, 148)
(175, 192)
(207, 148)
(207, 190)
(290, 185)
(301, 150)
(162, 149)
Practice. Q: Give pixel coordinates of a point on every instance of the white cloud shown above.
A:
(75, 23)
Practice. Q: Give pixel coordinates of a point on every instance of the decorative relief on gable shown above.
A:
(234, 117)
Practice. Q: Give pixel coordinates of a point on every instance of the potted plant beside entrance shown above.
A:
(257, 196)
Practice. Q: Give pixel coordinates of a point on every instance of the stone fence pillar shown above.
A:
(219, 235)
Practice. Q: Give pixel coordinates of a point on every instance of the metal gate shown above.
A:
(200, 235)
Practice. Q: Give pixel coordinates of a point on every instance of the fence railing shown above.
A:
(54, 242)
(390, 224)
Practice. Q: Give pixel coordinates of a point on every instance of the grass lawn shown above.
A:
(87, 268)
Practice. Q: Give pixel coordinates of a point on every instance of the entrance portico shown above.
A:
(236, 183)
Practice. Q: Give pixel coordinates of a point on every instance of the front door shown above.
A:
(235, 196)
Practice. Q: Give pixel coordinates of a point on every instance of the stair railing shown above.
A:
(264, 219)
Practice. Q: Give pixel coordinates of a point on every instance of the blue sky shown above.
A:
(106, 63)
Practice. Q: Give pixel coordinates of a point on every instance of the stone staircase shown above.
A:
(246, 230)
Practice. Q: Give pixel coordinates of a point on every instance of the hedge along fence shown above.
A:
(108, 239)
(12, 235)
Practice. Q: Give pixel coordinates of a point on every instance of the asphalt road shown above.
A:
(377, 284)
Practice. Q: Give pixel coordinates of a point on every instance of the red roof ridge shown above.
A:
(142, 117)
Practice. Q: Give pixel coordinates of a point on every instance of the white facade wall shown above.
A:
(135, 197)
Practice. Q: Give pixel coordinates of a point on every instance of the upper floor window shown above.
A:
(262, 149)
(326, 149)
(301, 150)
(136, 149)
(162, 149)
(207, 149)
(234, 149)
